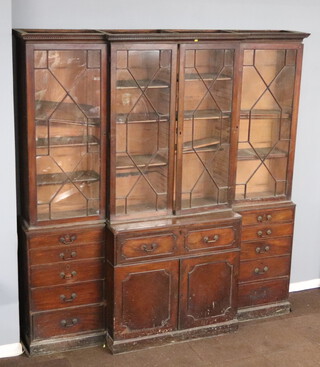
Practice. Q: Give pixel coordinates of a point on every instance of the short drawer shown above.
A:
(49, 298)
(64, 273)
(266, 248)
(66, 237)
(58, 254)
(209, 239)
(69, 321)
(259, 293)
(251, 233)
(267, 216)
(270, 267)
(135, 248)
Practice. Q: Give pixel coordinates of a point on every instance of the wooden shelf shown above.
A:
(132, 84)
(138, 118)
(200, 144)
(206, 115)
(60, 177)
(263, 114)
(124, 162)
(249, 154)
(63, 141)
(205, 77)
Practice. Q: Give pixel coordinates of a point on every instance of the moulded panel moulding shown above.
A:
(308, 284)
(10, 350)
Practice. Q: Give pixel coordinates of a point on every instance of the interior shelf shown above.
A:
(62, 141)
(205, 143)
(250, 154)
(124, 162)
(60, 177)
(263, 114)
(206, 115)
(132, 84)
(136, 118)
(205, 77)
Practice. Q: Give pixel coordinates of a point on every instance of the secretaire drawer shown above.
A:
(270, 267)
(208, 239)
(66, 237)
(49, 298)
(266, 248)
(53, 255)
(69, 321)
(141, 247)
(251, 233)
(267, 216)
(64, 273)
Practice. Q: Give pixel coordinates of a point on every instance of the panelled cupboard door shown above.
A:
(207, 112)
(268, 117)
(143, 88)
(208, 289)
(66, 118)
(146, 299)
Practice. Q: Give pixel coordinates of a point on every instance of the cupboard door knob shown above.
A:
(268, 232)
(64, 257)
(65, 323)
(214, 239)
(67, 239)
(151, 248)
(269, 217)
(259, 271)
(259, 218)
(70, 299)
(68, 276)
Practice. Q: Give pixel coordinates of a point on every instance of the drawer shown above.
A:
(70, 321)
(267, 216)
(210, 239)
(270, 267)
(251, 233)
(48, 298)
(135, 248)
(266, 248)
(259, 293)
(64, 273)
(66, 237)
(52, 255)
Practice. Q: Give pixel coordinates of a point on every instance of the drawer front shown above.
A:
(260, 293)
(65, 253)
(265, 268)
(266, 248)
(209, 239)
(70, 321)
(66, 237)
(267, 216)
(252, 233)
(65, 273)
(48, 298)
(135, 248)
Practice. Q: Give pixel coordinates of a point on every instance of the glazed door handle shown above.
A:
(65, 323)
(214, 239)
(149, 248)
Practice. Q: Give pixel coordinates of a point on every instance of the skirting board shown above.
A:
(308, 284)
(10, 350)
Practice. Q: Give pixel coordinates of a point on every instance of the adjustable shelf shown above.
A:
(137, 118)
(263, 114)
(200, 144)
(205, 77)
(206, 115)
(150, 84)
(141, 161)
(60, 177)
(260, 153)
(63, 141)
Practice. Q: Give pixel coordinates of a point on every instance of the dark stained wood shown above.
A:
(267, 216)
(266, 248)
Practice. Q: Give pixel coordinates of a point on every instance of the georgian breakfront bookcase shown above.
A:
(155, 181)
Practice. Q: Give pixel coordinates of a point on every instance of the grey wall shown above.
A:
(232, 14)
(9, 321)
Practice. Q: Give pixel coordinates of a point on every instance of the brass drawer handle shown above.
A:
(67, 239)
(72, 255)
(268, 233)
(258, 271)
(259, 218)
(215, 239)
(267, 217)
(68, 276)
(151, 248)
(65, 323)
(70, 299)
(262, 250)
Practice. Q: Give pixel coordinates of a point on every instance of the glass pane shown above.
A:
(206, 127)
(264, 136)
(142, 130)
(67, 118)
